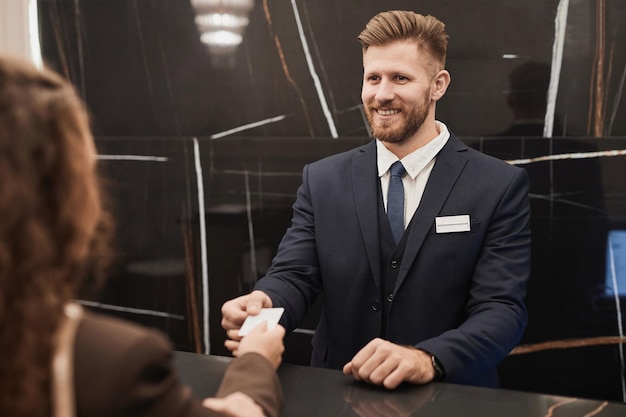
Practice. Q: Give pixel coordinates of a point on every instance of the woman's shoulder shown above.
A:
(119, 352)
(121, 366)
(103, 332)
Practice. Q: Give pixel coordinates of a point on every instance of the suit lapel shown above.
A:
(364, 176)
(448, 166)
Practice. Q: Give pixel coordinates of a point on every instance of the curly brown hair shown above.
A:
(53, 228)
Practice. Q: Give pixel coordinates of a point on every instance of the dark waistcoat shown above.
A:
(390, 258)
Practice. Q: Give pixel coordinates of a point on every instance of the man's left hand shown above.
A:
(384, 363)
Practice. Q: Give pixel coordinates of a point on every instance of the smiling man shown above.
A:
(419, 245)
(402, 81)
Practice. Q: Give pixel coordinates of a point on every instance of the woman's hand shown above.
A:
(236, 404)
(267, 343)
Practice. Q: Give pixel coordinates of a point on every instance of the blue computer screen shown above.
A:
(615, 280)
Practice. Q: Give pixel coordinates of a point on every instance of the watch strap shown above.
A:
(440, 373)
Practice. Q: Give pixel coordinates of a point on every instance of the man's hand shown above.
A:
(235, 311)
(384, 363)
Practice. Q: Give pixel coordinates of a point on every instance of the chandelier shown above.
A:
(222, 24)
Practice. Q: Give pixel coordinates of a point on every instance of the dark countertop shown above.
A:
(324, 392)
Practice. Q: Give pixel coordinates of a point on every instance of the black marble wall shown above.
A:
(203, 161)
(298, 70)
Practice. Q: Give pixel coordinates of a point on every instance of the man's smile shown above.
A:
(387, 112)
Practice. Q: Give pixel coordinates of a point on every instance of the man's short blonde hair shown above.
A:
(397, 25)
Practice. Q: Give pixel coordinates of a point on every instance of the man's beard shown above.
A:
(411, 124)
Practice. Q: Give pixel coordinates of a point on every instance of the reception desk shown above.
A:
(322, 392)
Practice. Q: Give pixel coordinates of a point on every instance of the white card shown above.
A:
(451, 224)
(269, 315)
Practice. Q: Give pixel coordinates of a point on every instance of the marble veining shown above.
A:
(313, 72)
(252, 125)
(560, 24)
(145, 158)
(575, 155)
(562, 403)
(142, 311)
(203, 245)
(285, 68)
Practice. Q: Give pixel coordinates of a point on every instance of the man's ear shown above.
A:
(441, 81)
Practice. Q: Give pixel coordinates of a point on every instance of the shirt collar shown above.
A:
(414, 162)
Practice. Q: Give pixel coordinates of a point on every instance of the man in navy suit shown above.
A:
(442, 300)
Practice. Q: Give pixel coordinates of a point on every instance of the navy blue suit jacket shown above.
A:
(459, 296)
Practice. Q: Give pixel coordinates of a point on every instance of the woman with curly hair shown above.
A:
(53, 233)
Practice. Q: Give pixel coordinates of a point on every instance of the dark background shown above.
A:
(154, 91)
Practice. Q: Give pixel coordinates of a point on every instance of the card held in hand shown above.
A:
(269, 315)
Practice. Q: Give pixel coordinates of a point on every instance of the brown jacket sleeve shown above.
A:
(122, 369)
(253, 375)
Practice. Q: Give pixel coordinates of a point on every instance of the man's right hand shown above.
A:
(235, 311)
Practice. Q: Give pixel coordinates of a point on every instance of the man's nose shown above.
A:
(384, 92)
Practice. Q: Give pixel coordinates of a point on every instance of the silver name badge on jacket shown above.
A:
(452, 224)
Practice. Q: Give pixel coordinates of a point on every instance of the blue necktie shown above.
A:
(395, 200)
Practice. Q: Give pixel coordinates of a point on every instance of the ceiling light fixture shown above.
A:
(222, 24)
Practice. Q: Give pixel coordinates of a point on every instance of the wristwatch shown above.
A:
(440, 373)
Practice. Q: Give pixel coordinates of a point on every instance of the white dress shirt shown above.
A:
(418, 165)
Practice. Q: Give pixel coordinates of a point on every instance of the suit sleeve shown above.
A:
(496, 313)
(293, 280)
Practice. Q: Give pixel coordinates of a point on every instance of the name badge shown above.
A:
(452, 224)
